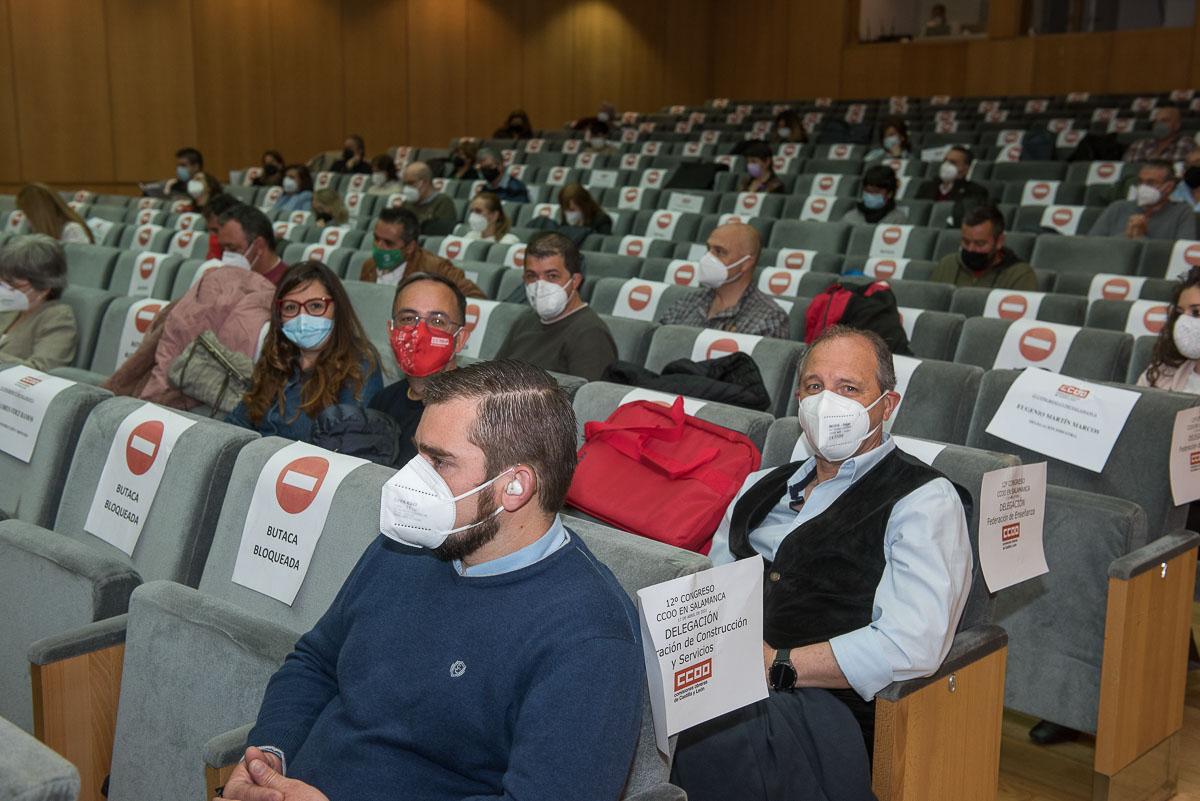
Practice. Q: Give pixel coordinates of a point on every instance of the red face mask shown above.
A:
(214, 249)
(421, 351)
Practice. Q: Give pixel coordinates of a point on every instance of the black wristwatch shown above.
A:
(782, 674)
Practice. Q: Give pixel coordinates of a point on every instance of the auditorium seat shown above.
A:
(1143, 351)
(1021, 243)
(1156, 259)
(636, 298)
(335, 258)
(776, 358)
(823, 237)
(90, 265)
(71, 577)
(89, 306)
(1137, 317)
(1080, 652)
(866, 239)
(30, 771)
(1038, 219)
(632, 337)
(596, 400)
(1065, 309)
(1085, 254)
(932, 334)
(119, 316)
(1094, 354)
(157, 270)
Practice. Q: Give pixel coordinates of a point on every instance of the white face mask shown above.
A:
(418, 508)
(947, 172)
(231, 258)
(573, 217)
(547, 298)
(713, 272)
(195, 187)
(1147, 195)
(1186, 334)
(290, 185)
(785, 132)
(835, 425)
(12, 299)
(477, 222)
(377, 178)
(891, 142)
(410, 194)
(603, 116)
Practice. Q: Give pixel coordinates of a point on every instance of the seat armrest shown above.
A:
(31, 770)
(227, 748)
(662, 792)
(1153, 554)
(86, 639)
(968, 646)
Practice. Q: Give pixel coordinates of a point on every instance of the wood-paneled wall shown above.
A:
(100, 93)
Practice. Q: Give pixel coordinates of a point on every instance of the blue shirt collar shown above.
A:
(554, 538)
(852, 469)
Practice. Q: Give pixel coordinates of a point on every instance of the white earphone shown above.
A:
(514, 487)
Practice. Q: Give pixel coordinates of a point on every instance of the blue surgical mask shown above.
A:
(307, 332)
(873, 201)
(182, 173)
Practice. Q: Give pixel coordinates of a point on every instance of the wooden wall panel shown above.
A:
(235, 116)
(64, 110)
(1071, 62)
(750, 62)
(10, 144)
(494, 64)
(375, 79)
(1150, 60)
(306, 77)
(817, 35)
(437, 71)
(153, 85)
(874, 71)
(687, 58)
(1003, 67)
(548, 65)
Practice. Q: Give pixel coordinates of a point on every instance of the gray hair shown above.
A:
(36, 258)
(885, 367)
(420, 171)
(488, 152)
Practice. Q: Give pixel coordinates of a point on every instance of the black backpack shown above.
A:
(356, 431)
(868, 307)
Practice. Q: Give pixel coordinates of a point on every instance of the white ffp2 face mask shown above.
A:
(1146, 195)
(713, 272)
(410, 194)
(418, 508)
(547, 298)
(12, 299)
(947, 172)
(477, 222)
(231, 258)
(1186, 334)
(835, 425)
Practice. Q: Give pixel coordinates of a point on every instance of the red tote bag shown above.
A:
(661, 473)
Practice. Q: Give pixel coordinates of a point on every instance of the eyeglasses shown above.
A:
(316, 307)
(437, 321)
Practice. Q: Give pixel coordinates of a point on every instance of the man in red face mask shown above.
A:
(427, 330)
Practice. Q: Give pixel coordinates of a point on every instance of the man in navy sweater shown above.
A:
(478, 649)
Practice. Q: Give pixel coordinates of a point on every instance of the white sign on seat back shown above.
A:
(1065, 418)
(146, 216)
(1033, 343)
(817, 207)
(1068, 138)
(1060, 124)
(570, 146)
(534, 145)
(839, 152)
(182, 243)
(1103, 114)
(731, 217)
(479, 311)
(317, 251)
(685, 202)
(515, 256)
(98, 227)
(1009, 137)
(603, 179)
(662, 225)
(779, 281)
(934, 153)
(885, 267)
(908, 319)
(749, 203)
(1064, 219)
(638, 299)
(630, 198)
(548, 210)
(1012, 508)
(795, 258)
(143, 236)
(452, 247)
(713, 344)
(905, 367)
(996, 115)
(825, 184)
(286, 518)
(1185, 255)
(1103, 172)
(631, 161)
(132, 473)
(323, 179)
(1013, 304)
(1106, 286)
(141, 277)
(690, 405)
(1036, 106)
(1147, 317)
(332, 237)
(283, 229)
(1185, 456)
(783, 164)
(890, 240)
(1121, 124)
(584, 161)
(138, 319)
(354, 202)
(925, 450)
(682, 273)
(652, 179)
(1039, 193)
(558, 176)
(788, 149)
(1011, 154)
(638, 246)
(25, 395)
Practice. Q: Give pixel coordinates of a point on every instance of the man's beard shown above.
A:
(464, 543)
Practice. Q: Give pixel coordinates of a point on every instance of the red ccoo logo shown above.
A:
(1010, 532)
(691, 676)
(1194, 459)
(1078, 392)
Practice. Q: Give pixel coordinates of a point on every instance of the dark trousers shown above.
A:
(803, 745)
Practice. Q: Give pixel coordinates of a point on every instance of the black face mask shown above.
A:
(1191, 177)
(976, 262)
(270, 169)
(489, 173)
(459, 161)
(347, 154)
(323, 217)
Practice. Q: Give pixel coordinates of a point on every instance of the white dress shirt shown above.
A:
(925, 582)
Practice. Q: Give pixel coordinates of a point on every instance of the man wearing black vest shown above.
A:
(868, 567)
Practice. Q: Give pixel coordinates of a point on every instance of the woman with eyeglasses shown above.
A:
(315, 355)
(427, 331)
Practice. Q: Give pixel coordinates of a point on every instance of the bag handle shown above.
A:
(634, 445)
(667, 433)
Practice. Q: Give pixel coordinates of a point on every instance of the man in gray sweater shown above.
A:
(1151, 214)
